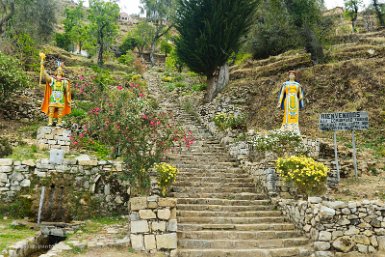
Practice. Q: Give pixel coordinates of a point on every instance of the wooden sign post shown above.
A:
(344, 121)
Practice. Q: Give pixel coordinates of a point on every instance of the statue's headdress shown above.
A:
(59, 71)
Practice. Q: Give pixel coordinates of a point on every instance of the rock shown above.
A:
(381, 243)
(166, 241)
(25, 183)
(30, 163)
(164, 214)
(137, 242)
(321, 246)
(361, 239)
(325, 236)
(314, 200)
(326, 213)
(352, 231)
(5, 169)
(6, 162)
(167, 202)
(56, 156)
(362, 248)
(323, 254)
(172, 225)
(336, 205)
(149, 242)
(344, 244)
(139, 226)
(16, 176)
(3, 178)
(147, 214)
(158, 226)
(138, 203)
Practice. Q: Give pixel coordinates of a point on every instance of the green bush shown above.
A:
(5, 148)
(279, 142)
(229, 120)
(12, 77)
(199, 87)
(62, 40)
(128, 58)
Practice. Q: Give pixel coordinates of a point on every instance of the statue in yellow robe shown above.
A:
(57, 95)
(291, 100)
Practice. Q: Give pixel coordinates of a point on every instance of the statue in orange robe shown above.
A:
(57, 95)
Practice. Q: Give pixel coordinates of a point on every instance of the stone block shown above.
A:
(314, 200)
(139, 226)
(138, 203)
(166, 241)
(326, 213)
(158, 226)
(324, 254)
(3, 178)
(30, 163)
(56, 156)
(173, 213)
(152, 205)
(361, 239)
(6, 162)
(147, 214)
(172, 225)
(362, 248)
(164, 214)
(137, 242)
(5, 169)
(149, 242)
(167, 202)
(25, 183)
(325, 236)
(381, 243)
(321, 246)
(344, 244)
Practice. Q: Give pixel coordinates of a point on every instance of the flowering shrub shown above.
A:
(279, 142)
(228, 120)
(166, 176)
(127, 121)
(307, 175)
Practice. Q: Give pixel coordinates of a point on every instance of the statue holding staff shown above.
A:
(291, 100)
(57, 95)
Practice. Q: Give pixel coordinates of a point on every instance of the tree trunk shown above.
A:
(217, 82)
(379, 13)
(313, 45)
(7, 17)
(101, 49)
(153, 46)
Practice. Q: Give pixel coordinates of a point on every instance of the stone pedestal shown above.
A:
(54, 138)
(153, 224)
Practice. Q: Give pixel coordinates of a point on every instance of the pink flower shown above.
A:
(75, 143)
(144, 116)
(120, 87)
(141, 95)
(81, 77)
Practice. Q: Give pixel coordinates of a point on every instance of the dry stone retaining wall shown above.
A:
(153, 224)
(96, 179)
(54, 138)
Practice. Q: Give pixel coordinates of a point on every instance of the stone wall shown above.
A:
(153, 224)
(25, 247)
(83, 181)
(336, 226)
(53, 138)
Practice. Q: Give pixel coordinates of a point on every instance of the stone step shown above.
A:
(257, 252)
(225, 202)
(239, 235)
(213, 173)
(218, 189)
(188, 183)
(184, 213)
(236, 227)
(223, 208)
(229, 196)
(208, 165)
(230, 220)
(212, 179)
(242, 244)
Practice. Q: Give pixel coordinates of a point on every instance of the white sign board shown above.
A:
(344, 121)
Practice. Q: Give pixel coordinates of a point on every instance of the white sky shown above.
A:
(132, 6)
(333, 3)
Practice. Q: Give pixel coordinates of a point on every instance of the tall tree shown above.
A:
(74, 25)
(306, 16)
(210, 31)
(159, 13)
(351, 11)
(104, 17)
(380, 15)
(7, 8)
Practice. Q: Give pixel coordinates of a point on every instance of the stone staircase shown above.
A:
(219, 211)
